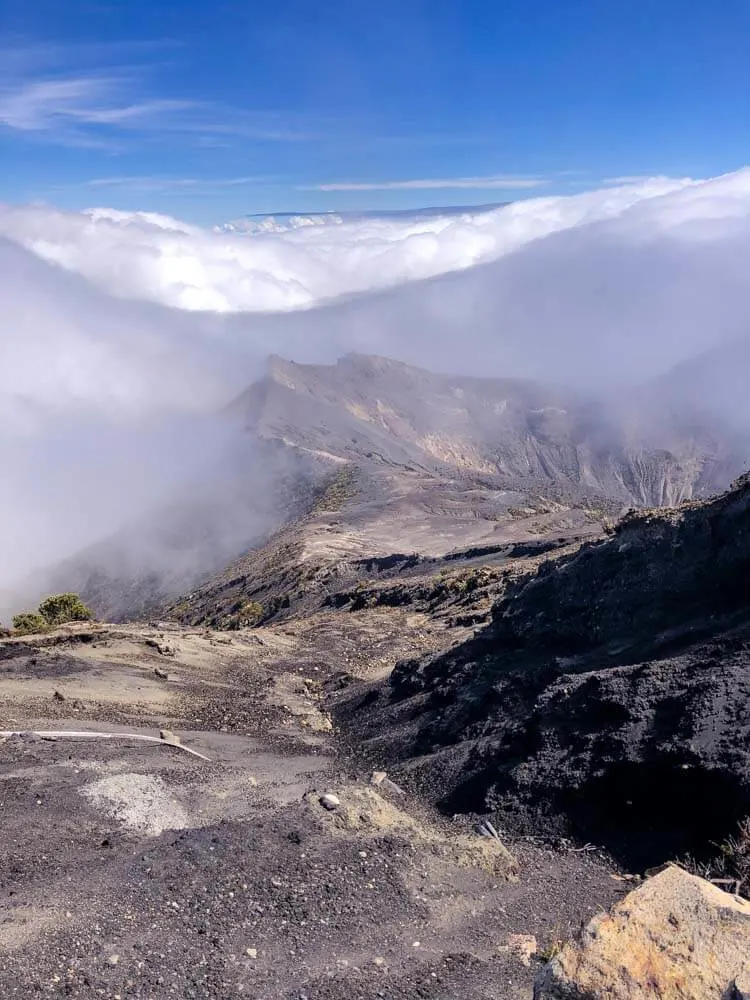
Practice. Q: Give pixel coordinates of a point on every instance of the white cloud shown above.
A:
(145, 183)
(131, 256)
(101, 388)
(627, 179)
(63, 95)
(43, 105)
(435, 184)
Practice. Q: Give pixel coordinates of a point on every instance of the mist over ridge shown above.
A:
(124, 333)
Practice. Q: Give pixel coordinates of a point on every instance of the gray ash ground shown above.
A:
(261, 893)
(274, 907)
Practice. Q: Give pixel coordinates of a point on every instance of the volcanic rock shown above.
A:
(677, 937)
(608, 697)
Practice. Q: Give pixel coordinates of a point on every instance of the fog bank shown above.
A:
(121, 334)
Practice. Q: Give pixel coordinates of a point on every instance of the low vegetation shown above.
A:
(56, 610)
(29, 623)
(244, 614)
(730, 867)
(336, 490)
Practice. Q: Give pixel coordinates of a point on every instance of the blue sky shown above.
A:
(209, 110)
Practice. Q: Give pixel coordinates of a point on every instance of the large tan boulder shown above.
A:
(677, 937)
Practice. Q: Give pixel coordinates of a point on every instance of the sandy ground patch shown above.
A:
(141, 802)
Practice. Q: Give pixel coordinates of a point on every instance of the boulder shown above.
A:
(676, 937)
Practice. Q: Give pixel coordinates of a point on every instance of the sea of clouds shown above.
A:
(120, 331)
(159, 259)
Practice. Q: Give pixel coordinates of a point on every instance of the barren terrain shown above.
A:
(390, 746)
(134, 869)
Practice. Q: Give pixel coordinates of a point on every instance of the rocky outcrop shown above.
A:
(677, 937)
(663, 569)
(609, 696)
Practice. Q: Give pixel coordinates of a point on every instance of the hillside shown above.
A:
(522, 433)
(606, 698)
(322, 467)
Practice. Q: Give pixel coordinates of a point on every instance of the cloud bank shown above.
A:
(150, 257)
(123, 332)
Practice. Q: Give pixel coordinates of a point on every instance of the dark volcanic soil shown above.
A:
(606, 700)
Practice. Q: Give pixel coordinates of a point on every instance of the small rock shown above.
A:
(251, 952)
(58, 696)
(330, 801)
(168, 736)
(379, 960)
(113, 959)
(161, 674)
(381, 780)
(523, 946)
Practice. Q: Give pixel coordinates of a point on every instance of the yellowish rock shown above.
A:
(677, 937)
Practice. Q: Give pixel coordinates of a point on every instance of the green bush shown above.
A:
(63, 608)
(249, 613)
(29, 622)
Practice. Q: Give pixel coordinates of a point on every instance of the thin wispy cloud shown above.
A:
(172, 183)
(433, 184)
(91, 106)
(46, 105)
(628, 179)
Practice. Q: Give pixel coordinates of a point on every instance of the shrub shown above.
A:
(736, 856)
(249, 613)
(29, 622)
(63, 608)
(731, 865)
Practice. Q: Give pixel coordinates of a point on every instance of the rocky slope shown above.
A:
(436, 463)
(521, 432)
(428, 466)
(607, 698)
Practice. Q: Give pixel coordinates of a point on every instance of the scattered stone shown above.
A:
(161, 674)
(251, 952)
(379, 960)
(492, 830)
(523, 946)
(330, 801)
(113, 959)
(677, 937)
(381, 780)
(164, 648)
(58, 696)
